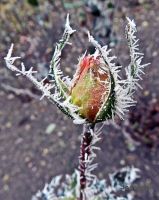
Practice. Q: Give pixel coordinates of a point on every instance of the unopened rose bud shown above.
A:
(90, 86)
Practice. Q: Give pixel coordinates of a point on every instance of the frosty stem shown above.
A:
(85, 152)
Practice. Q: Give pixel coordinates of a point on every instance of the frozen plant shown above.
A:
(95, 94)
(69, 187)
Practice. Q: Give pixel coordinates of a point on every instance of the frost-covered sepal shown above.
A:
(55, 72)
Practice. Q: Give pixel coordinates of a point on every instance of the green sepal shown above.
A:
(105, 111)
(60, 85)
(64, 89)
(64, 110)
(55, 72)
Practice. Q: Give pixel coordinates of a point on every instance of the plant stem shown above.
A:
(85, 152)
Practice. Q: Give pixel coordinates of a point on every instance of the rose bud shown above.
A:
(91, 86)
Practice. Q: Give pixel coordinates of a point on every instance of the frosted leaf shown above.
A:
(124, 178)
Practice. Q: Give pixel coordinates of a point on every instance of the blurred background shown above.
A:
(37, 141)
